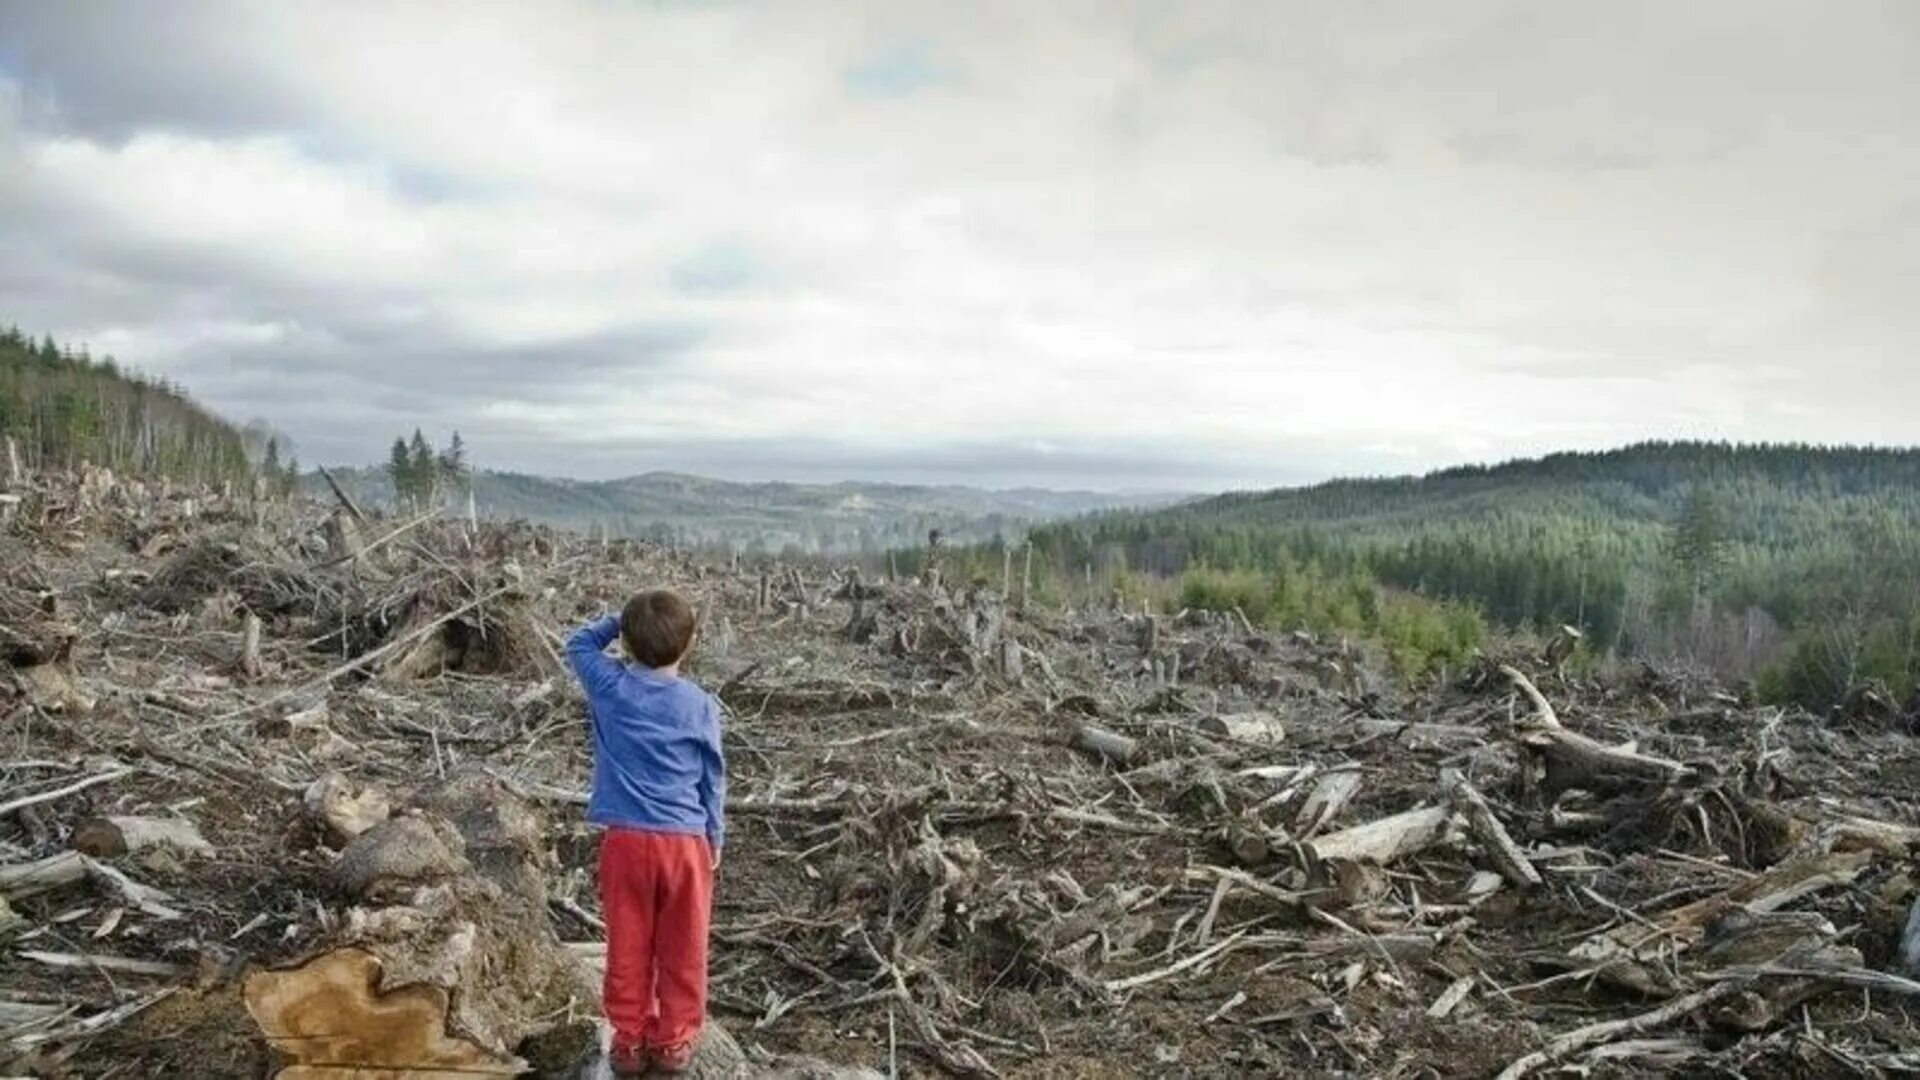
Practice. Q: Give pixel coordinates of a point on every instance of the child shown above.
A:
(659, 787)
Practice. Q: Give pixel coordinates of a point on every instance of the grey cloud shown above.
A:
(315, 379)
(110, 70)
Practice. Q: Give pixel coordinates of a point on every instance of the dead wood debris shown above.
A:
(266, 764)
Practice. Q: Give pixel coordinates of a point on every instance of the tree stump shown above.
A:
(462, 975)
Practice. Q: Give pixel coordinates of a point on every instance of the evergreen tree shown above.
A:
(1699, 542)
(422, 469)
(453, 464)
(400, 471)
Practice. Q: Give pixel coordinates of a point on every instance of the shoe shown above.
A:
(628, 1060)
(673, 1059)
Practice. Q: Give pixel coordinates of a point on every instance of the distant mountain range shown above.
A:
(839, 518)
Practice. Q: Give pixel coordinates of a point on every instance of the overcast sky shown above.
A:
(1098, 244)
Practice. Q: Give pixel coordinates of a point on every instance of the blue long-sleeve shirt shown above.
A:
(657, 762)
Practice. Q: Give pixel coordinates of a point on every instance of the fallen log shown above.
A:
(1617, 954)
(61, 792)
(1563, 1046)
(1778, 939)
(1505, 854)
(1278, 776)
(1108, 746)
(1386, 839)
(105, 837)
(41, 875)
(1579, 761)
(1408, 730)
(1450, 998)
(155, 902)
(96, 961)
(1768, 891)
(1854, 833)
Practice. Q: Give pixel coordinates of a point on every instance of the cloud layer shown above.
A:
(1119, 245)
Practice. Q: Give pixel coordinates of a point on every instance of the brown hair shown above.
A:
(657, 626)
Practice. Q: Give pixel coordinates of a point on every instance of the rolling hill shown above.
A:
(60, 406)
(841, 518)
(1743, 558)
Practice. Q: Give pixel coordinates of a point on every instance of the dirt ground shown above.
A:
(1262, 861)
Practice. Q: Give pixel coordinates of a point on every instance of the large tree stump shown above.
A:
(330, 1018)
(449, 967)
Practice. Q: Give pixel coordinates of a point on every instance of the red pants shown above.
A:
(656, 890)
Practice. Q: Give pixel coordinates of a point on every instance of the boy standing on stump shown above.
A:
(660, 788)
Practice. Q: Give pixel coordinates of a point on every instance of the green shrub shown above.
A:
(1419, 635)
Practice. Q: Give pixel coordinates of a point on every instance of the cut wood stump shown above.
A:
(1248, 727)
(46, 679)
(344, 810)
(465, 977)
(249, 662)
(398, 854)
(329, 1019)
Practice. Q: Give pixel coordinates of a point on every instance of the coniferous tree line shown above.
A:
(62, 406)
(422, 476)
(1793, 565)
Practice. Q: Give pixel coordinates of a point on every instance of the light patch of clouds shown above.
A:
(719, 267)
(1104, 244)
(896, 71)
